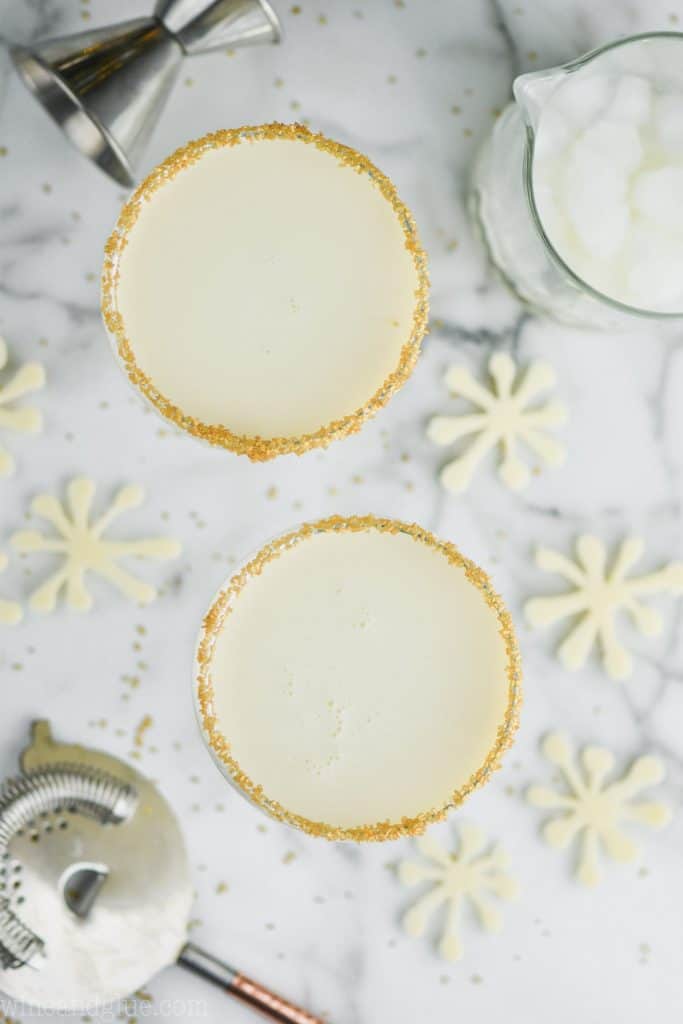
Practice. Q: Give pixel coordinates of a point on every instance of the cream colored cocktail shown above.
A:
(266, 290)
(357, 678)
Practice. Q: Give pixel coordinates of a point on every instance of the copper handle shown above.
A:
(250, 992)
(273, 1006)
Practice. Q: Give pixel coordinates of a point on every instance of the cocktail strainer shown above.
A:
(95, 888)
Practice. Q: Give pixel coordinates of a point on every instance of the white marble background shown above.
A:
(415, 85)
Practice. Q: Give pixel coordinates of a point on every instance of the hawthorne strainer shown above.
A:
(95, 887)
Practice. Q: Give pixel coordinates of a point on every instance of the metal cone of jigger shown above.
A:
(106, 88)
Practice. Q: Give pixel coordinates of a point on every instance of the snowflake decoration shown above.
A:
(10, 611)
(599, 593)
(595, 810)
(468, 874)
(505, 417)
(28, 378)
(83, 548)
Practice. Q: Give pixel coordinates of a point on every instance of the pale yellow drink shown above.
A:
(266, 290)
(357, 678)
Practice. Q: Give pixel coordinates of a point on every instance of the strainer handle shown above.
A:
(236, 984)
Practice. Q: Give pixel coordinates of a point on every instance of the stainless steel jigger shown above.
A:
(95, 887)
(106, 88)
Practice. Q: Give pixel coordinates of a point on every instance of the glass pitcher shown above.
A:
(522, 231)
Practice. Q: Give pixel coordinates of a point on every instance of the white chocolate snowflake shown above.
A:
(83, 548)
(505, 418)
(467, 874)
(594, 810)
(24, 419)
(598, 595)
(10, 611)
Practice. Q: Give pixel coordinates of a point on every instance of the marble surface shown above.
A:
(416, 87)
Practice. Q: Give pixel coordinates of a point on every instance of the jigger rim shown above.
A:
(273, 19)
(82, 128)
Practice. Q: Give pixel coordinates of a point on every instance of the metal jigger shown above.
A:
(106, 88)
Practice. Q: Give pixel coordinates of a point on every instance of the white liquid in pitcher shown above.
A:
(360, 678)
(608, 175)
(268, 288)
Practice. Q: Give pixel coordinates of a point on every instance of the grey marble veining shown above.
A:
(415, 85)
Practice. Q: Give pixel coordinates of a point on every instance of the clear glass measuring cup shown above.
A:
(589, 135)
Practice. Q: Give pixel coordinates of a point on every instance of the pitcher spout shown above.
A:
(533, 90)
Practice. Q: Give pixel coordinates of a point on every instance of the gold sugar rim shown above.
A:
(257, 448)
(221, 608)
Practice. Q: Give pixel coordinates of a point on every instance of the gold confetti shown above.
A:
(144, 724)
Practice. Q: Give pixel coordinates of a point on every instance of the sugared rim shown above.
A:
(220, 746)
(261, 448)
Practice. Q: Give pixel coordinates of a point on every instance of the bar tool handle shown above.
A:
(249, 992)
